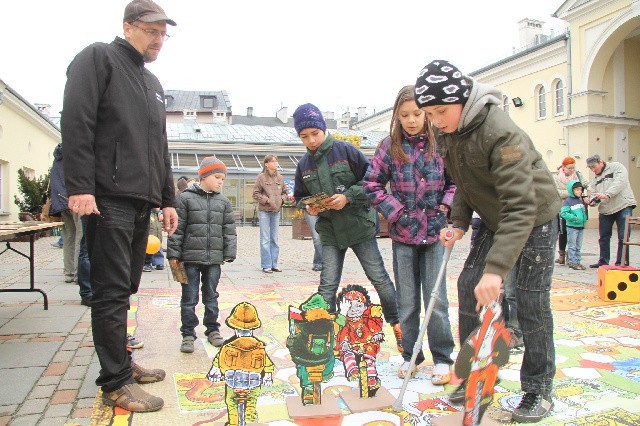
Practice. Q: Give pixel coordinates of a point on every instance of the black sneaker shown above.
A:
(597, 265)
(85, 301)
(532, 408)
(133, 343)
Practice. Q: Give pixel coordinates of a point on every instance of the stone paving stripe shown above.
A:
(40, 325)
(16, 383)
(47, 339)
(26, 420)
(45, 391)
(64, 396)
(57, 410)
(56, 369)
(33, 406)
(34, 354)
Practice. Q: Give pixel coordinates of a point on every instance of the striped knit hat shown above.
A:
(211, 165)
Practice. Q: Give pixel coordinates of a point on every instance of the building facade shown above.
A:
(27, 140)
(242, 148)
(575, 93)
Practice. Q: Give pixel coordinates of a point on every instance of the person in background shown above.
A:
(205, 239)
(611, 192)
(499, 174)
(181, 184)
(317, 244)
(566, 172)
(416, 208)
(117, 168)
(336, 168)
(270, 193)
(155, 260)
(72, 229)
(574, 213)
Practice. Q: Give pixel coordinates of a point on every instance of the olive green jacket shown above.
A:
(338, 167)
(499, 174)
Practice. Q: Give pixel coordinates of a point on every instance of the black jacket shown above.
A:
(114, 127)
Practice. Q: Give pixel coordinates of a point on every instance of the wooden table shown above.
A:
(17, 231)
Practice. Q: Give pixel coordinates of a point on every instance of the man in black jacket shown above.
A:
(117, 167)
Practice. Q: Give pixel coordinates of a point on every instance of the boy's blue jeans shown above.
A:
(532, 278)
(317, 244)
(210, 275)
(371, 261)
(415, 269)
(574, 245)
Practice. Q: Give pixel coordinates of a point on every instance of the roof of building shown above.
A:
(180, 100)
(563, 36)
(190, 131)
(374, 115)
(46, 118)
(273, 121)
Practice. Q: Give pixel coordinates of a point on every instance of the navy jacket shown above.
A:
(56, 182)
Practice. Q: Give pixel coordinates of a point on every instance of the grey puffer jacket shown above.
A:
(206, 231)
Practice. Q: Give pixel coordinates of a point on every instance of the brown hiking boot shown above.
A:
(143, 376)
(131, 397)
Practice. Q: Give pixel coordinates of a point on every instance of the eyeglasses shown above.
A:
(153, 33)
(570, 167)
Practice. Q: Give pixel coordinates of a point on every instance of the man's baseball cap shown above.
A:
(145, 11)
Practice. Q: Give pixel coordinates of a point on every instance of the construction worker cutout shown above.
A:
(243, 364)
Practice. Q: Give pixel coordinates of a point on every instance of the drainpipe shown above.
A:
(569, 87)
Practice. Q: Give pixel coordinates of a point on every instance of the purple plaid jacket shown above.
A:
(418, 188)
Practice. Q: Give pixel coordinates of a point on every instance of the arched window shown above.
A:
(505, 104)
(559, 97)
(542, 103)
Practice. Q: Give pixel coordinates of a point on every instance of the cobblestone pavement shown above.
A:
(48, 364)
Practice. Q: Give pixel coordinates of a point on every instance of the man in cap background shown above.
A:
(117, 168)
(611, 192)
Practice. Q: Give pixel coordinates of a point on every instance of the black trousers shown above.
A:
(116, 241)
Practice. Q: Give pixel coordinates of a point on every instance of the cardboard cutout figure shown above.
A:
(243, 364)
(311, 341)
(486, 349)
(359, 338)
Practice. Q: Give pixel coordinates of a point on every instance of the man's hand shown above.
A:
(83, 204)
(170, 220)
(457, 235)
(488, 289)
(336, 202)
(601, 196)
